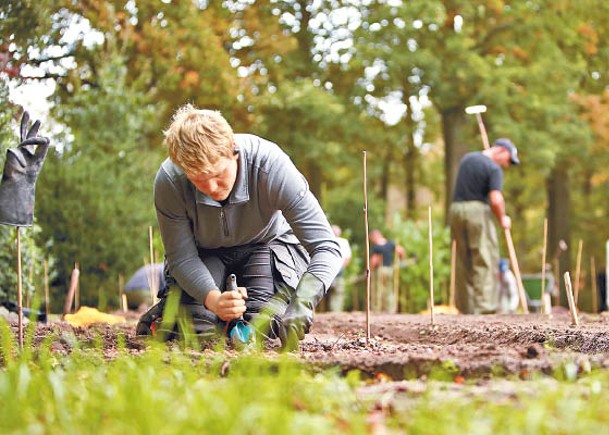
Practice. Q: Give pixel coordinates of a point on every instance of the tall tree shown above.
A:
(96, 190)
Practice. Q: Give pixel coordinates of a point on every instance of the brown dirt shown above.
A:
(407, 346)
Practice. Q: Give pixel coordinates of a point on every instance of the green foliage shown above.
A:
(310, 76)
(542, 406)
(414, 276)
(169, 391)
(96, 188)
(311, 121)
(32, 254)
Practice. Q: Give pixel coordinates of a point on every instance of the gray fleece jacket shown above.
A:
(270, 200)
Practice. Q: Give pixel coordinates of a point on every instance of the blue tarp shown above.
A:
(140, 279)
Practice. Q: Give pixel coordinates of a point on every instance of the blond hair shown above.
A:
(197, 139)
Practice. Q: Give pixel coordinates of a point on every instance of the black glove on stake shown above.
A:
(298, 317)
(17, 190)
(21, 169)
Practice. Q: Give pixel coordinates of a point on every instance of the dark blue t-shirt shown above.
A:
(386, 250)
(477, 176)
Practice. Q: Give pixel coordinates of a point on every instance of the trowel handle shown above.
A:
(231, 283)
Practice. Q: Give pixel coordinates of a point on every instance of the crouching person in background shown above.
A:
(235, 204)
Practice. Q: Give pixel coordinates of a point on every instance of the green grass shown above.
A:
(543, 406)
(167, 391)
(171, 390)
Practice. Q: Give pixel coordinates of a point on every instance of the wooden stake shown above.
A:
(28, 296)
(431, 295)
(77, 295)
(572, 304)
(396, 277)
(514, 260)
(378, 289)
(544, 300)
(355, 297)
(47, 301)
(367, 255)
(153, 275)
(594, 285)
(67, 308)
(122, 300)
(19, 290)
(149, 278)
(453, 259)
(578, 270)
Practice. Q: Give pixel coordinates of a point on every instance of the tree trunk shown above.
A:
(384, 180)
(315, 179)
(559, 226)
(410, 165)
(411, 157)
(454, 149)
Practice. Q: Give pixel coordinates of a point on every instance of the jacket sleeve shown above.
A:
(178, 239)
(288, 191)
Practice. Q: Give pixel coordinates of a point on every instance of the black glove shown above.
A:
(21, 169)
(266, 321)
(298, 317)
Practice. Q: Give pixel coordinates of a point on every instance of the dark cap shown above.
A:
(508, 145)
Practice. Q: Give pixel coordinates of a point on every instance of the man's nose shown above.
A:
(209, 186)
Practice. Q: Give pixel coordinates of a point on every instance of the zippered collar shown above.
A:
(240, 192)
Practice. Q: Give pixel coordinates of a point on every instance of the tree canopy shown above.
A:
(326, 80)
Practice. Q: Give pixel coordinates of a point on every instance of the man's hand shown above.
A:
(227, 306)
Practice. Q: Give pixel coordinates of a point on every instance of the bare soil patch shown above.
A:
(404, 346)
(408, 346)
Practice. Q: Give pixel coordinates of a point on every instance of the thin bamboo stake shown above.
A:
(378, 289)
(578, 270)
(514, 260)
(148, 270)
(153, 277)
(396, 277)
(77, 295)
(367, 255)
(544, 300)
(431, 295)
(453, 259)
(67, 308)
(19, 290)
(47, 301)
(572, 304)
(594, 285)
(28, 296)
(355, 302)
(121, 294)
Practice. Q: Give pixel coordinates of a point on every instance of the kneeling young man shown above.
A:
(235, 204)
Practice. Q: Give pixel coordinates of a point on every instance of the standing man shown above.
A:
(235, 204)
(477, 195)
